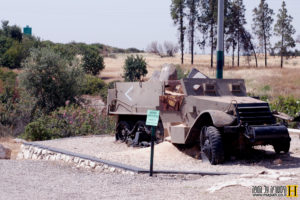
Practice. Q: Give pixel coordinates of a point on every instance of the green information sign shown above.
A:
(152, 117)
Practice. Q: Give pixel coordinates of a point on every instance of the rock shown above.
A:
(18, 140)
(112, 169)
(168, 72)
(168, 139)
(20, 155)
(92, 164)
(99, 168)
(5, 153)
(277, 161)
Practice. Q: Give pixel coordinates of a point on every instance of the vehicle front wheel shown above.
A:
(283, 145)
(211, 145)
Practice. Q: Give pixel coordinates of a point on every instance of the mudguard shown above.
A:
(209, 117)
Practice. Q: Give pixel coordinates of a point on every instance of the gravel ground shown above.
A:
(168, 157)
(26, 179)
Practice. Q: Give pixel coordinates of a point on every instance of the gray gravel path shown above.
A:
(51, 180)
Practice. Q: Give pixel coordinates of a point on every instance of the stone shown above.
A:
(76, 159)
(26, 154)
(112, 169)
(92, 164)
(20, 155)
(18, 140)
(44, 151)
(34, 156)
(98, 168)
(277, 161)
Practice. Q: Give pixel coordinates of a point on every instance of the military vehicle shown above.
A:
(216, 114)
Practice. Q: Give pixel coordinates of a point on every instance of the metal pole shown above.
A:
(152, 149)
(220, 45)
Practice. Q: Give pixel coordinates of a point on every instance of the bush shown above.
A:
(288, 105)
(93, 85)
(92, 62)
(181, 73)
(51, 79)
(134, 68)
(15, 105)
(69, 121)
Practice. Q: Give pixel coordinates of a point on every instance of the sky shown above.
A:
(119, 23)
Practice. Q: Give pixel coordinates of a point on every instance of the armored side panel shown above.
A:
(134, 98)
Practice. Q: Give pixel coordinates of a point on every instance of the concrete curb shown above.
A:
(35, 151)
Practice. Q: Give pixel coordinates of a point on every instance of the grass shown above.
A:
(284, 82)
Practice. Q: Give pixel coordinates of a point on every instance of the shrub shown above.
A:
(181, 73)
(288, 105)
(69, 121)
(94, 85)
(134, 68)
(51, 79)
(15, 105)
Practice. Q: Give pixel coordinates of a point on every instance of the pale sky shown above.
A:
(119, 23)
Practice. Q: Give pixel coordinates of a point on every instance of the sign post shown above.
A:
(152, 120)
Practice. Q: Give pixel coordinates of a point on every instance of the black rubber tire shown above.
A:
(211, 145)
(122, 131)
(282, 146)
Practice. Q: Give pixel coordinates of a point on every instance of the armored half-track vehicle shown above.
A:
(216, 114)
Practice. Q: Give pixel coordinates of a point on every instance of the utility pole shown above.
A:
(220, 45)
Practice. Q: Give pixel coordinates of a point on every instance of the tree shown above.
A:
(178, 14)
(298, 39)
(248, 45)
(153, 47)
(192, 15)
(235, 22)
(170, 48)
(207, 24)
(92, 62)
(135, 68)
(51, 79)
(285, 30)
(263, 25)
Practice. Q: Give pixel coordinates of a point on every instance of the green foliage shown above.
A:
(51, 79)
(288, 105)
(135, 68)
(13, 57)
(285, 30)
(263, 20)
(15, 105)
(266, 88)
(69, 121)
(94, 85)
(181, 73)
(178, 14)
(92, 62)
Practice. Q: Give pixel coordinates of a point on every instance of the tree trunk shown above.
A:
(181, 35)
(212, 44)
(238, 50)
(233, 49)
(281, 52)
(266, 62)
(192, 45)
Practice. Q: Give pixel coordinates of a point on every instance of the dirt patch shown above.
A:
(168, 157)
(12, 145)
